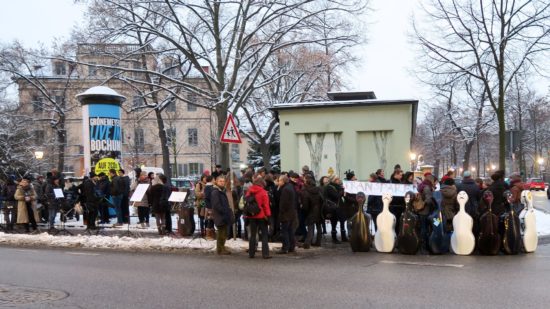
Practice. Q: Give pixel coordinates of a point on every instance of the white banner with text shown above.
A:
(377, 188)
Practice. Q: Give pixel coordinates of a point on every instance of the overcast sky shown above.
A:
(386, 60)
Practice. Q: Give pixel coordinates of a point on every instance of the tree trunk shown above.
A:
(61, 142)
(436, 166)
(163, 145)
(501, 139)
(266, 154)
(467, 152)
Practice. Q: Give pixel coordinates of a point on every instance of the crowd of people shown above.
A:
(295, 208)
(288, 207)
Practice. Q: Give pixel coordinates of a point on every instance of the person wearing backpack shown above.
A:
(257, 211)
(10, 204)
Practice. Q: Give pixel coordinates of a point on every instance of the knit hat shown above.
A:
(467, 174)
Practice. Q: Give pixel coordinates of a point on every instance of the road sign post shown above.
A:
(231, 135)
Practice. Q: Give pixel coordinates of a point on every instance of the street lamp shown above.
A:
(412, 156)
(493, 167)
(473, 169)
(541, 162)
(39, 155)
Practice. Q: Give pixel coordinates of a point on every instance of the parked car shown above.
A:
(535, 184)
(186, 185)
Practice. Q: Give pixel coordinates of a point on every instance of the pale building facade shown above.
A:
(190, 128)
(353, 131)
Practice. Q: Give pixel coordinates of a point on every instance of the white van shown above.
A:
(147, 169)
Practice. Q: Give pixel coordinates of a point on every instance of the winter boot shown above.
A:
(335, 239)
(210, 234)
(344, 237)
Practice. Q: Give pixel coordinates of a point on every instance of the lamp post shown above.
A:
(412, 156)
(39, 155)
(473, 169)
(541, 162)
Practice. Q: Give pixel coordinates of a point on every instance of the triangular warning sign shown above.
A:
(230, 132)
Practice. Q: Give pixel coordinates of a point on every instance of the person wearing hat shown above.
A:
(88, 191)
(39, 186)
(26, 205)
(54, 202)
(334, 192)
(104, 192)
(217, 171)
(516, 187)
(471, 188)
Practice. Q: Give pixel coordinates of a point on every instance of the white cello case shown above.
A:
(528, 223)
(384, 239)
(463, 241)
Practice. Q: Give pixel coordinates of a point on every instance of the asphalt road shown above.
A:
(541, 201)
(327, 278)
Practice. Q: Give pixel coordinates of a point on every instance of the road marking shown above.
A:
(82, 253)
(422, 264)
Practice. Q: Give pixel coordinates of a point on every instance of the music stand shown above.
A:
(129, 233)
(63, 217)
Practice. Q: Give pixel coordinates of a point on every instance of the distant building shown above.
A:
(353, 130)
(190, 128)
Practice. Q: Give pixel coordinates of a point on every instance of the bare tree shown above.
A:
(51, 101)
(228, 43)
(490, 41)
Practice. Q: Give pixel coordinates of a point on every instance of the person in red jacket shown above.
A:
(260, 220)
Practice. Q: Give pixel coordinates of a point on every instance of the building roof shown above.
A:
(348, 103)
(348, 95)
(344, 103)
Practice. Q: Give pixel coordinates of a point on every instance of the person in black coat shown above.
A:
(104, 192)
(497, 188)
(312, 205)
(288, 215)
(92, 200)
(397, 205)
(334, 192)
(374, 202)
(471, 188)
(222, 214)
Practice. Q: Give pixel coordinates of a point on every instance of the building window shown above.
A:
(39, 137)
(139, 139)
(137, 101)
(37, 103)
(171, 107)
(171, 135)
(194, 169)
(136, 65)
(194, 100)
(192, 137)
(92, 69)
(59, 68)
(57, 96)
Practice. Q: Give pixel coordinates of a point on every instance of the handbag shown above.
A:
(418, 203)
(78, 208)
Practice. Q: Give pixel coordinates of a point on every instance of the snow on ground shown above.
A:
(121, 243)
(543, 223)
